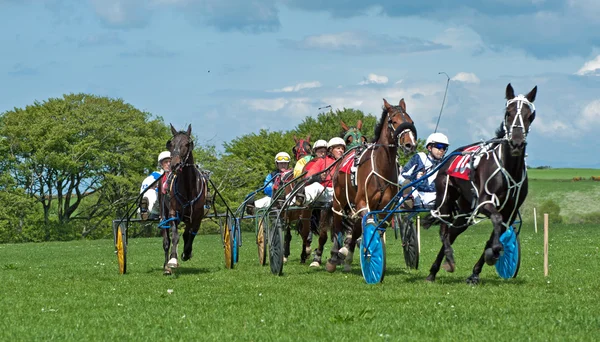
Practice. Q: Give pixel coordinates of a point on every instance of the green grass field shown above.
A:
(72, 291)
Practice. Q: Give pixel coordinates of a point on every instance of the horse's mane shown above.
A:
(379, 126)
(500, 131)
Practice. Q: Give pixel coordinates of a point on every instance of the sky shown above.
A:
(234, 67)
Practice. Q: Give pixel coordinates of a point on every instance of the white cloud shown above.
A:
(269, 105)
(297, 87)
(374, 79)
(590, 67)
(590, 115)
(466, 77)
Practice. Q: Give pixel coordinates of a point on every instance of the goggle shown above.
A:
(440, 146)
(283, 159)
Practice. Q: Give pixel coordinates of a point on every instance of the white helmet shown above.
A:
(437, 138)
(282, 157)
(164, 155)
(319, 143)
(336, 141)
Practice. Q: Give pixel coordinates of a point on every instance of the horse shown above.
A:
(352, 135)
(496, 188)
(376, 179)
(183, 196)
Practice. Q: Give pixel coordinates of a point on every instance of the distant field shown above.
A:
(576, 199)
(562, 174)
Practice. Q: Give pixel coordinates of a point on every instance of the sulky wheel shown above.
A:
(509, 262)
(372, 253)
(120, 233)
(396, 221)
(228, 243)
(410, 245)
(261, 240)
(237, 240)
(276, 247)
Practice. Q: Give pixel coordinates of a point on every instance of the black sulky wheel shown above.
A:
(410, 244)
(276, 247)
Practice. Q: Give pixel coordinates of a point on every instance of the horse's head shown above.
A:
(352, 135)
(181, 147)
(402, 128)
(520, 113)
(302, 147)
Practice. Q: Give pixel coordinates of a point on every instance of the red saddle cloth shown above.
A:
(460, 167)
(347, 162)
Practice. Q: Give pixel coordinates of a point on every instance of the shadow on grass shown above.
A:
(184, 271)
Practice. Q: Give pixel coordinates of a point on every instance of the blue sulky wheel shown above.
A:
(509, 262)
(372, 253)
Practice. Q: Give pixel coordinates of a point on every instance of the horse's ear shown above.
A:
(189, 130)
(510, 92)
(173, 130)
(295, 139)
(386, 104)
(364, 139)
(308, 138)
(344, 126)
(168, 145)
(359, 124)
(402, 105)
(531, 95)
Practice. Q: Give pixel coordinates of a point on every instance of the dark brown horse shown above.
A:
(183, 196)
(496, 188)
(376, 179)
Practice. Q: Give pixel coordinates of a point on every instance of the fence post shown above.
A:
(545, 245)
(535, 220)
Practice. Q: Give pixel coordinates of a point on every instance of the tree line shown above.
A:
(70, 165)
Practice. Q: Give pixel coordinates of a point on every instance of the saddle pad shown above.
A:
(460, 167)
(347, 162)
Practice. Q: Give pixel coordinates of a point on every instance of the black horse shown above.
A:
(182, 196)
(496, 188)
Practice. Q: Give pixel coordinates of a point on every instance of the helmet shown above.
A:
(319, 143)
(164, 155)
(437, 138)
(282, 157)
(336, 141)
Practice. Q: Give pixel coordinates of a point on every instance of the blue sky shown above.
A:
(273, 62)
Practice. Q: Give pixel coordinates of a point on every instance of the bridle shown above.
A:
(299, 149)
(406, 127)
(518, 119)
(176, 152)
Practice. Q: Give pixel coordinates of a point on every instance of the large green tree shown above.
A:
(79, 147)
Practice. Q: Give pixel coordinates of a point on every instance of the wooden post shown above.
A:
(419, 233)
(535, 220)
(545, 245)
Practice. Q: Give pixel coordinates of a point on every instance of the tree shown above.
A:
(64, 150)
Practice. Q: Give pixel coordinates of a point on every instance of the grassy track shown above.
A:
(72, 291)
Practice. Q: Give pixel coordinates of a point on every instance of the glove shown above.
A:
(314, 178)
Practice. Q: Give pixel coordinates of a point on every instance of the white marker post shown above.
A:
(535, 220)
(545, 245)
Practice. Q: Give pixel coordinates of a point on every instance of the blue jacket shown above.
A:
(268, 184)
(420, 162)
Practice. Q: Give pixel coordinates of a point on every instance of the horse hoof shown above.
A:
(307, 250)
(167, 271)
(489, 257)
(343, 252)
(285, 259)
(473, 280)
(347, 268)
(330, 267)
(173, 263)
(184, 257)
(448, 267)
(430, 279)
(315, 264)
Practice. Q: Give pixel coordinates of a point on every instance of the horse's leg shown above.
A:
(287, 241)
(166, 245)
(173, 263)
(301, 228)
(188, 239)
(335, 246)
(492, 252)
(356, 233)
(325, 222)
(473, 279)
